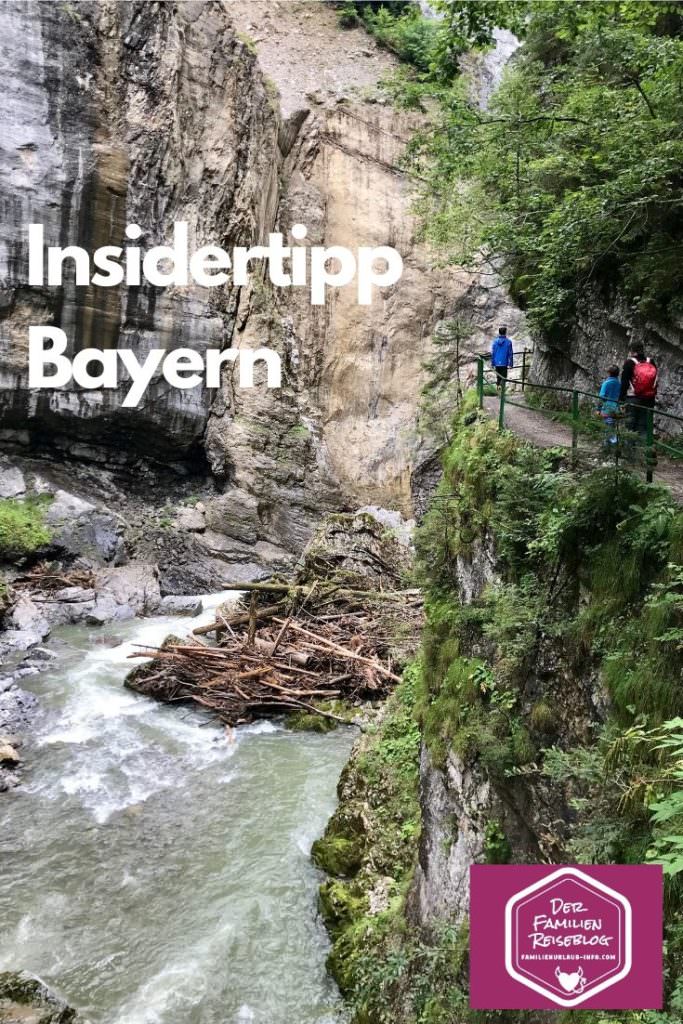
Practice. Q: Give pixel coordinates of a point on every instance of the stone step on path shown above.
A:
(538, 428)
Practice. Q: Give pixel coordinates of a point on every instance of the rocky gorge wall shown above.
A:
(217, 114)
(116, 114)
(604, 329)
(507, 740)
(472, 812)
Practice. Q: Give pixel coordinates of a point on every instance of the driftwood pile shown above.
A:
(292, 649)
(53, 576)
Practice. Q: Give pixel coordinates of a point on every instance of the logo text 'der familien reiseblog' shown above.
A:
(565, 937)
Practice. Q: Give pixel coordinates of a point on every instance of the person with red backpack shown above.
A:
(638, 389)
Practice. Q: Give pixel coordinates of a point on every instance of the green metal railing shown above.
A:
(578, 401)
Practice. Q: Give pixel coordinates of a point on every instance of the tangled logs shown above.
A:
(315, 645)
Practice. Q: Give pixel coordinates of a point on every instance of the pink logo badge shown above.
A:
(544, 937)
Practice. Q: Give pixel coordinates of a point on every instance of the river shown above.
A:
(155, 870)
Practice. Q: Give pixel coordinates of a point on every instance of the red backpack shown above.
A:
(645, 379)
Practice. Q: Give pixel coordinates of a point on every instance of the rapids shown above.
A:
(154, 870)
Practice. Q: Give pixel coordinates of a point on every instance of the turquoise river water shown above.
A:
(155, 870)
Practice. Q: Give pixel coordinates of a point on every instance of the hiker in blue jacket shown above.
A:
(502, 355)
(608, 406)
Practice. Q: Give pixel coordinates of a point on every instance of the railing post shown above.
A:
(523, 369)
(650, 446)
(501, 407)
(480, 381)
(575, 426)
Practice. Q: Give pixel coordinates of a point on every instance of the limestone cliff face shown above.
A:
(125, 113)
(217, 114)
(343, 432)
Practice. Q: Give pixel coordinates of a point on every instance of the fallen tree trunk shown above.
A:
(345, 653)
(239, 619)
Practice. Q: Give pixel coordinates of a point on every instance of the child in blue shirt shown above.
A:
(608, 406)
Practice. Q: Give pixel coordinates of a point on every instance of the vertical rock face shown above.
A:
(344, 430)
(468, 809)
(604, 329)
(133, 112)
(125, 113)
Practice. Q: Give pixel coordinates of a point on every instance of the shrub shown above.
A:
(22, 526)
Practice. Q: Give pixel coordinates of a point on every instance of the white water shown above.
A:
(155, 870)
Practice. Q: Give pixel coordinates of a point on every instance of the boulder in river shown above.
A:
(27, 617)
(8, 754)
(24, 999)
(13, 641)
(17, 708)
(178, 604)
(135, 586)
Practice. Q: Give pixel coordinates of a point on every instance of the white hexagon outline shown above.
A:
(581, 885)
(541, 884)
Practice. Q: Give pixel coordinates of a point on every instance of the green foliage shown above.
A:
(596, 562)
(496, 846)
(441, 392)
(572, 177)
(370, 841)
(628, 798)
(540, 586)
(591, 567)
(430, 47)
(399, 26)
(667, 809)
(405, 979)
(22, 526)
(412, 37)
(463, 503)
(347, 15)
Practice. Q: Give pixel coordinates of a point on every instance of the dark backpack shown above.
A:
(645, 380)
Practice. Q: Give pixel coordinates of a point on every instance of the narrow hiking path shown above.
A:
(538, 428)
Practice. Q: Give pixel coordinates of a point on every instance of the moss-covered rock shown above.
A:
(338, 855)
(308, 721)
(553, 607)
(370, 844)
(338, 906)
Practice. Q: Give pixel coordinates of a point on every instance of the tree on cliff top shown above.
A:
(572, 178)
(432, 45)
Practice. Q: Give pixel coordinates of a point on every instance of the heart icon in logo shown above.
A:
(571, 982)
(568, 981)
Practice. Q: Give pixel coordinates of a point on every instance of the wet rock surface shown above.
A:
(24, 999)
(82, 530)
(179, 605)
(17, 710)
(12, 483)
(86, 122)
